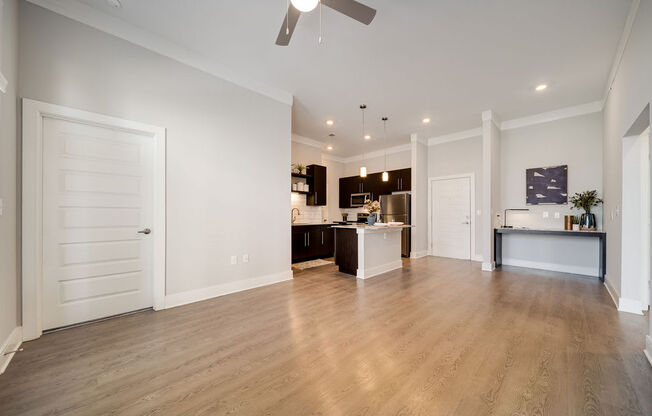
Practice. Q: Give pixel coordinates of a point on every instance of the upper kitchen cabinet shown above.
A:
(399, 180)
(317, 195)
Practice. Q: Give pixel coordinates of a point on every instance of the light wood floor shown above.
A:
(437, 338)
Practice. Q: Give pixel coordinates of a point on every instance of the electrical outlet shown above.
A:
(245, 258)
(234, 259)
(545, 214)
(556, 215)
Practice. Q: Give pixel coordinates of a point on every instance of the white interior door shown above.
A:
(451, 218)
(97, 196)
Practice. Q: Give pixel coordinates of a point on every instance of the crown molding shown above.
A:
(562, 113)
(414, 138)
(460, 135)
(307, 141)
(80, 12)
(622, 45)
(568, 112)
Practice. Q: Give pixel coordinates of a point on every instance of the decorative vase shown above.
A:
(371, 219)
(587, 222)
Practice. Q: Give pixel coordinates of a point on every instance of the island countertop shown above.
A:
(365, 228)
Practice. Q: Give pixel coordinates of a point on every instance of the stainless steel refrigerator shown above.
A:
(397, 208)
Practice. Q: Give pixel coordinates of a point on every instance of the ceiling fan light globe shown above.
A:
(305, 5)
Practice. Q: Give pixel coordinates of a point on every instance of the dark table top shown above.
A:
(550, 232)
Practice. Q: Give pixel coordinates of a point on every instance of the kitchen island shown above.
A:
(365, 251)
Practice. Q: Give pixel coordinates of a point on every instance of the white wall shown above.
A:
(9, 280)
(630, 93)
(228, 148)
(576, 142)
(457, 157)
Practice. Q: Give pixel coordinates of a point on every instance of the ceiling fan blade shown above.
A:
(289, 23)
(353, 9)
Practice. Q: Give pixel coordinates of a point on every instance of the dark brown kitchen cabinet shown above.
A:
(317, 195)
(312, 242)
(399, 180)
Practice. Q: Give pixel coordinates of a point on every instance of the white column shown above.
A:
(490, 185)
(419, 195)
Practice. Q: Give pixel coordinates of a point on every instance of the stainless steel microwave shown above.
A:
(357, 200)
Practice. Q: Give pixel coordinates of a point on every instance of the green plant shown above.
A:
(299, 168)
(585, 200)
(576, 219)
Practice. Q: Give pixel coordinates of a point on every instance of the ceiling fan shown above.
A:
(353, 9)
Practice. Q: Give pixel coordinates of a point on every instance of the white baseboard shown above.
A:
(12, 343)
(477, 257)
(418, 254)
(611, 290)
(191, 296)
(383, 268)
(630, 306)
(553, 267)
(488, 266)
(648, 348)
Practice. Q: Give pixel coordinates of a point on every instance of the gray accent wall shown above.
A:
(228, 148)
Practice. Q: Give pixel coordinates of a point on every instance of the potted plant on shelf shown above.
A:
(372, 207)
(299, 168)
(586, 200)
(576, 222)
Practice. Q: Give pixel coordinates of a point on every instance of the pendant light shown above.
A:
(363, 168)
(385, 173)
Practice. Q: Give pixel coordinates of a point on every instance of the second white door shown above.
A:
(451, 218)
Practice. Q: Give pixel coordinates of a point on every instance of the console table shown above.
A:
(602, 236)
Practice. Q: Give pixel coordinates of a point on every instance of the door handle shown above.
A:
(145, 231)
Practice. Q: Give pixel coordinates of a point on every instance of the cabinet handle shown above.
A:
(308, 234)
(316, 199)
(322, 238)
(305, 244)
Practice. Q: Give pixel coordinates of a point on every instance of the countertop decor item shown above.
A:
(576, 223)
(547, 185)
(586, 200)
(511, 209)
(372, 207)
(568, 222)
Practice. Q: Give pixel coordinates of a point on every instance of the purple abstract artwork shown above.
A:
(547, 185)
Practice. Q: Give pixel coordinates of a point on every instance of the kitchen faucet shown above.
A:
(292, 214)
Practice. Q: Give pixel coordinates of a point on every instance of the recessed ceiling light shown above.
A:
(367, 137)
(541, 87)
(426, 120)
(114, 3)
(329, 122)
(330, 147)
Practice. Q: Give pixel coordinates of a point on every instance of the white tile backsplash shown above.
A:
(308, 213)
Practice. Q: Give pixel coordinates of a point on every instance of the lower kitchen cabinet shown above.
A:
(312, 242)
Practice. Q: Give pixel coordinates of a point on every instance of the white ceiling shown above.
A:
(444, 59)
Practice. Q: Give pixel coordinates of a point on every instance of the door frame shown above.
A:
(431, 180)
(34, 113)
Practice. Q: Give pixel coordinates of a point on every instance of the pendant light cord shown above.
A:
(364, 153)
(320, 28)
(385, 140)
